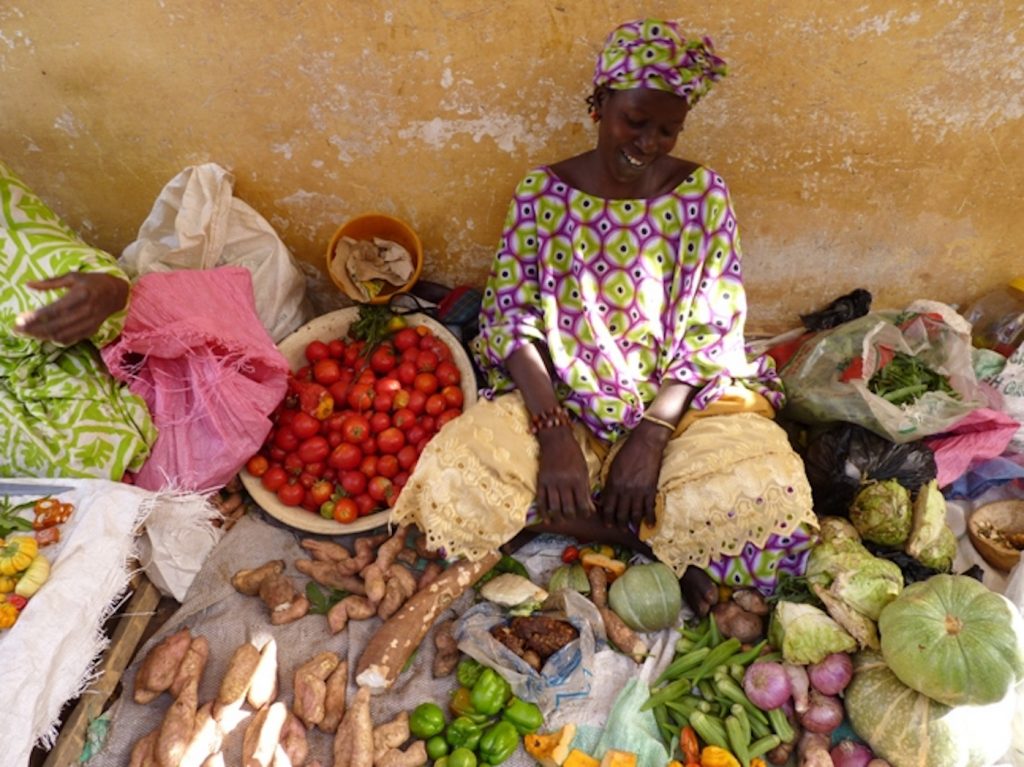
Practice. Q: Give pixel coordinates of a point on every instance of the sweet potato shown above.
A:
(365, 551)
(351, 607)
(192, 665)
(390, 735)
(429, 575)
(326, 573)
(400, 585)
(160, 666)
(215, 760)
(325, 551)
(362, 730)
(236, 680)
(262, 735)
(248, 581)
(284, 602)
(414, 756)
(334, 698)
(394, 642)
(342, 748)
(310, 689)
(263, 687)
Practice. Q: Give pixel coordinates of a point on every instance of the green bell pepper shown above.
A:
(462, 705)
(463, 732)
(498, 743)
(526, 717)
(437, 747)
(461, 757)
(426, 720)
(467, 672)
(489, 693)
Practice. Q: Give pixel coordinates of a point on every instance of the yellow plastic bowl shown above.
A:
(366, 227)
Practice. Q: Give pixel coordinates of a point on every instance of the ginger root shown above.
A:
(414, 756)
(325, 551)
(248, 581)
(429, 575)
(326, 573)
(390, 735)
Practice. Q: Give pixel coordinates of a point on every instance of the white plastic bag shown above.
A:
(197, 223)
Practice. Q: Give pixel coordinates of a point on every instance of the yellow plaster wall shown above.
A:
(874, 144)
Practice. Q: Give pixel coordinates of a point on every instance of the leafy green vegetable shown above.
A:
(906, 378)
(10, 520)
(319, 602)
(371, 326)
(806, 634)
(506, 564)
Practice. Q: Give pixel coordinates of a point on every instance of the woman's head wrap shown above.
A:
(655, 54)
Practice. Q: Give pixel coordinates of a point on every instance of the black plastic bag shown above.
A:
(841, 458)
(848, 307)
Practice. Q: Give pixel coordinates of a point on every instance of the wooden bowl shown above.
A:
(988, 528)
(367, 227)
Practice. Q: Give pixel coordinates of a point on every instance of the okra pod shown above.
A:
(707, 691)
(684, 645)
(727, 688)
(780, 724)
(670, 691)
(738, 743)
(763, 745)
(721, 654)
(683, 663)
(741, 716)
(710, 729)
(714, 631)
(750, 655)
(685, 704)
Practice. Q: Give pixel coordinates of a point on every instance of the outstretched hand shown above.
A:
(563, 484)
(627, 498)
(88, 300)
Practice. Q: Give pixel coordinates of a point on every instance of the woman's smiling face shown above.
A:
(637, 127)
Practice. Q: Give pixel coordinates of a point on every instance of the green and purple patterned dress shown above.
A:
(626, 294)
(61, 413)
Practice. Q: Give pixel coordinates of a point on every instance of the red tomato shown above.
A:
(316, 468)
(286, 416)
(453, 396)
(352, 352)
(425, 382)
(355, 428)
(303, 374)
(360, 397)
(353, 482)
(304, 425)
(429, 423)
(447, 373)
(321, 491)
(274, 478)
(365, 503)
(368, 465)
(379, 422)
(410, 355)
(383, 359)
(345, 456)
(326, 371)
(314, 449)
(346, 511)
(382, 402)
(407, 457)
(401, 399)
(446, 416)
(336, 348)
(406, 338)
(427, 361)
(276, 454)
(381, 489)
(286, 439)
(387, 466)
(417, 401)
(291, 494)
(399, 481)
(293, 464)
(416, 434)
(387, 385)
(435, 405)
(257, 465)
(391, 440)
(369, 446)
(334, 439)
(307, 503)
(307, 480)
(403, 418)
(406, 373)
(316, 351)
(339, 390)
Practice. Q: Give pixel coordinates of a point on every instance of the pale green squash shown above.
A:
(909, 729)
(646, 597)
(954, 640)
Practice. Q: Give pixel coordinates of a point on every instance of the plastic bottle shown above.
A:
(997, 318)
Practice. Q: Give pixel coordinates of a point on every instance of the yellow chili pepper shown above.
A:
(16, 554)
(8, 615)
(713, 756)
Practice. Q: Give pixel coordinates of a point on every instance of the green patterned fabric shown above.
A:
(61, 413)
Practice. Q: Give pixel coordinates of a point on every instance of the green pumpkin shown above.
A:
(954, 640)
(569, 577)
(646, 597)
(908, 729)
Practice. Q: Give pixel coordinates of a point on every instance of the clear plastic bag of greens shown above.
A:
(832, 376)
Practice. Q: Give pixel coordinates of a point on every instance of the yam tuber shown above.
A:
(325, 551)
(446, 654)
(390, 735)
(192, 665)
(263, 687)
(334, 698)
(160, 666)
(351, 607)
(414, 756)
(235, 683)
(262, 735)
(327, 574)
(207, 737)
(248, 581)
(310, 689)
(394, 642)
(142, 752)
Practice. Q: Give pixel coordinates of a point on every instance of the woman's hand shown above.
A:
(563, 484)
(90, 298)
(627, 498)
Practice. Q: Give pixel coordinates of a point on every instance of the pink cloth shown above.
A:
(194, 349)
(980, 435)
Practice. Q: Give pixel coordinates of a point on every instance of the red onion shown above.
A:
(823, 715)
(850, 753)
(878, 762)
(766, 684)
(832, 674)
(800, 684)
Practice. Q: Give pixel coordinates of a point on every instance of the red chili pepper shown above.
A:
(689, 745)
(570, 554)
(19, 602)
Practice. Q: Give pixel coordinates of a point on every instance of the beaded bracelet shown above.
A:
(647, 417)
(554, 416)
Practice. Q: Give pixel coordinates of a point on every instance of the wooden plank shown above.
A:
(131, 625)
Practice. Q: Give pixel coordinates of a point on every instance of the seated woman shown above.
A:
(61, 413)
(611, 329)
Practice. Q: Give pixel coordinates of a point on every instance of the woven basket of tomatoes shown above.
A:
(367, 391)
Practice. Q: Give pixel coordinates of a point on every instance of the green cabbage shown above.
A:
(854, 575)
(806, 634)
(931, 542)
(882, 514)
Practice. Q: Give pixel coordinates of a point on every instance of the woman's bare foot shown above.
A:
(699, 591)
